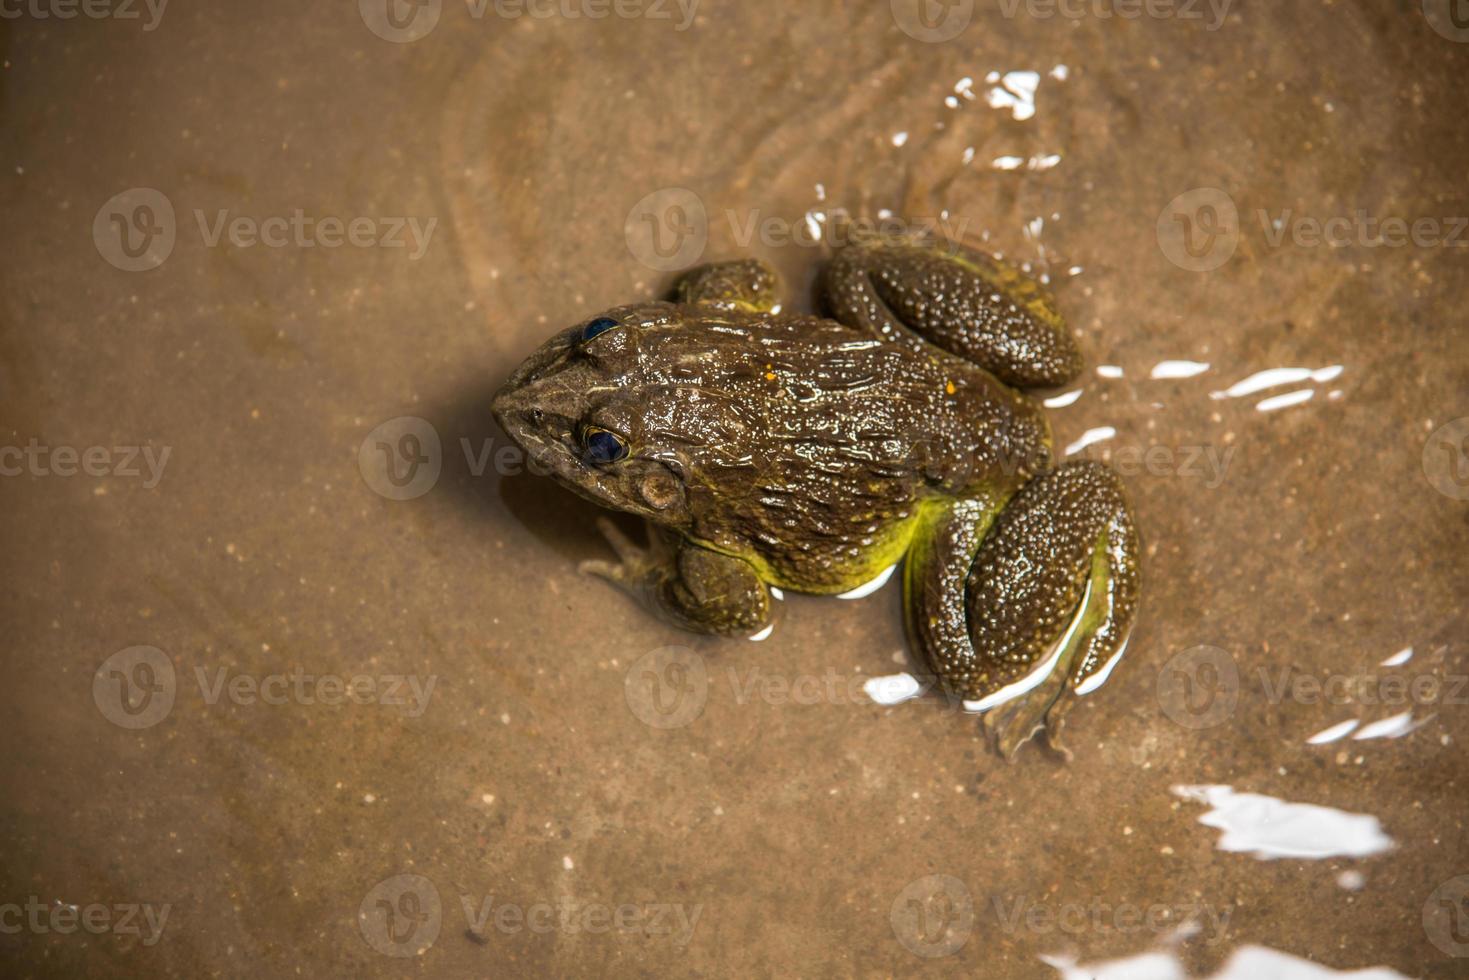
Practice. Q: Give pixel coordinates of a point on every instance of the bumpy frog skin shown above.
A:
(812, 453)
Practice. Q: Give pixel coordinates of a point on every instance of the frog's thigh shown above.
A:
(748, 284)
(707, 592)
(1056, 582)
(935, 571)
(956, 298)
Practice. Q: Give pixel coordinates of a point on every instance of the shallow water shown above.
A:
(529, 774)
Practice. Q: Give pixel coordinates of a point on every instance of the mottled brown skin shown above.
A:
(811, 453)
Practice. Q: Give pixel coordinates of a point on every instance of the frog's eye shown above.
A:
(602, 447)
(600, 325)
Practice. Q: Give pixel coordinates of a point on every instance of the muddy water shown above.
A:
(267, 719)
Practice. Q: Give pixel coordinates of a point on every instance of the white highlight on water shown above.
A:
(870, 587)
(1277, 402)
(1177, 369)
(1091, 437)
(1062, 400)
(1274, 377)
(1399, 658)
(1270, 828)
(892, 688)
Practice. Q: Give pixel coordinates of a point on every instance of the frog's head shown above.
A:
(603, 413)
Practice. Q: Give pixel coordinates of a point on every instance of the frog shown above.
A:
(897, 424)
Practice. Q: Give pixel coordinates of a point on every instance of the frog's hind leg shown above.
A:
(957, 298)
(747, 285)
(1020, 615)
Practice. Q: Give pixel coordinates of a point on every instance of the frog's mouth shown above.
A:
(551, 440)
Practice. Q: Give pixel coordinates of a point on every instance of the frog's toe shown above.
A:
(629, 552)
(616, 574)
(960, 299)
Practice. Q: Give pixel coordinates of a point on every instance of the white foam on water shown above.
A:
(1270, 828)
(1246, 963)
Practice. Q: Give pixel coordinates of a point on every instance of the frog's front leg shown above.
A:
(748, 285)
(695, 588)
(1020, 612)
(959, 299)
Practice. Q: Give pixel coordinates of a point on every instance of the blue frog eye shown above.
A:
(602, 447)
(600, 325)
